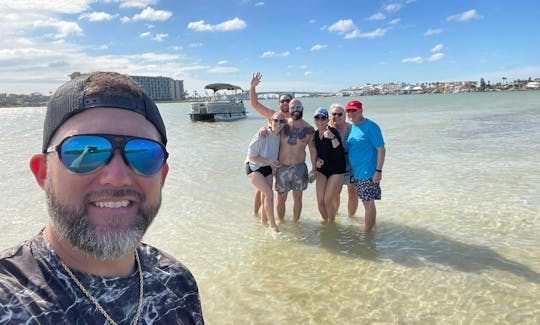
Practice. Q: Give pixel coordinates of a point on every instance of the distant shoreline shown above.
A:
(196, 100)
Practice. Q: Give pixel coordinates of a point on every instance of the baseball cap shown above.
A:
(353, 105)
(321, 111)
(74, 97)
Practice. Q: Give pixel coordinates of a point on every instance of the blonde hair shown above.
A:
(337, 105)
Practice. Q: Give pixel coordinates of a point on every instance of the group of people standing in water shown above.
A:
(341, 153)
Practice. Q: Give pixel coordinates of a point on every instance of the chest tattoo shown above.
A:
(294, 134)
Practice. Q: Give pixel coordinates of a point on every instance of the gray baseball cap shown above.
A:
(72, 98)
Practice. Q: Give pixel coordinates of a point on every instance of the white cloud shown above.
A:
(268, 54)
(157, 57)
(465, 16)
(379, 32)
(393, 7)
(64, 28)
(136, 3)
(259, 4)
(416, 59)
(125, 19)
(342, 26)
(394, 21)
(195, 45)
(160, 37)
(233, 24)
(153, 15)
(271, 54)
(312, 21)
(377, 16)
(62, 7)
(223, 70)
(437, 48)
(307, 73)
(145, 34)
(436, 57)
(318, 47)
(433, 31)
(222, 62)
(97, 16)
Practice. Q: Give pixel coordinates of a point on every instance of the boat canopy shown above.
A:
(221, 86)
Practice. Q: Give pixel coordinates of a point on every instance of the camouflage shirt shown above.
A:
(35, 289)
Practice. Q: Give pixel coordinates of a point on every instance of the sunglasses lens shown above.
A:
(145, 156)
(85, 153)
(283, 101)
(338, 114)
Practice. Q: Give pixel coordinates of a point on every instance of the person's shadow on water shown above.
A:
(408, 246)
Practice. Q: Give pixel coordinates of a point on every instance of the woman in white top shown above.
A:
(262, 157)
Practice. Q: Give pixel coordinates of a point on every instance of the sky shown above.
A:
(301, 45)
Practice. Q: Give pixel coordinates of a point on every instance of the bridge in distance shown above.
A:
(294, 93)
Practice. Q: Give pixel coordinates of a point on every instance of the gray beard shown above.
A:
(73, 224)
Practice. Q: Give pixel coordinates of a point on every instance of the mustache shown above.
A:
(114, 193)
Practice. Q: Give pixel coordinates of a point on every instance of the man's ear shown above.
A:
(164, 172)
(38, 166)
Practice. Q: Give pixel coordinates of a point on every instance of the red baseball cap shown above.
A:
(353, 105)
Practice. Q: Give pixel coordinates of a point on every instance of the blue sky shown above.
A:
(297, 45)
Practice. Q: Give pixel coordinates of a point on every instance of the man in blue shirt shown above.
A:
(366, 155)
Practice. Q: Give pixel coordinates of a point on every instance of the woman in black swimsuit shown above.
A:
(330, 165)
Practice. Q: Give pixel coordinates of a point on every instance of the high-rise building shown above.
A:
(161, 88)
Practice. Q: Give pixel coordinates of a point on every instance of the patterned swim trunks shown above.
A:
(291, 178)
(367, 190)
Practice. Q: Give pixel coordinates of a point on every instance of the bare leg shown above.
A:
(281, 199)
(337, 200)
(264, 184)
(264, 216)
(371, 214)
(297, 207)
(333, 186)
(320, 188)
(353, 200)
(257, 203)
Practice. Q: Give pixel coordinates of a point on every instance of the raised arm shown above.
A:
(263, 110)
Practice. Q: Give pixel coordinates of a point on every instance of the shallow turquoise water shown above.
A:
(457, 234)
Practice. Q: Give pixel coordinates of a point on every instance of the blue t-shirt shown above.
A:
(363, 142)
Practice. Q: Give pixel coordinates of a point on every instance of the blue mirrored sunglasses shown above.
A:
(85, 153)
(279, 120)
(295, 107)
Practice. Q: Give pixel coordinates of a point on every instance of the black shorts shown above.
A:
(264, 170)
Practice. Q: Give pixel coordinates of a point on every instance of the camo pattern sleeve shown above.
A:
(35, 289)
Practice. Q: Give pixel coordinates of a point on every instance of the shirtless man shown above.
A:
(292, 174)
(283, 104)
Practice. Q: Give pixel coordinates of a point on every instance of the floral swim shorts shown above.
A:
(367, 190)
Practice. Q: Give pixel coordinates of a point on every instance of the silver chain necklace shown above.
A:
(97, 304)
